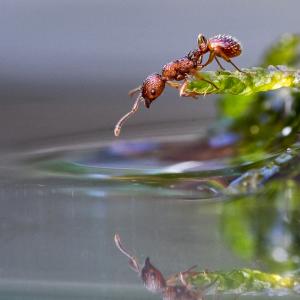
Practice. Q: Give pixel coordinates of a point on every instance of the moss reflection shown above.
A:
(265, 228)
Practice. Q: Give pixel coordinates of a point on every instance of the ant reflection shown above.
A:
(173, 288)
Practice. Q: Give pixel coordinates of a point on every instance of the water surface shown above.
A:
(182, 200)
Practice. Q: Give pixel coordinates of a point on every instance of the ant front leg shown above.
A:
(184, 93)
(173, 84)
(181, 89)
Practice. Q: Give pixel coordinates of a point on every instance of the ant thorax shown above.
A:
(178, 69)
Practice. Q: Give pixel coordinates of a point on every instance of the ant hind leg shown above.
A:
(226, 58)
(236, 66)
(218, 62)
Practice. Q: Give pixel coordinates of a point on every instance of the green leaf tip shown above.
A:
(245, 83)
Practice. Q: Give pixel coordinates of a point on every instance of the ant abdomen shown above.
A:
(152, 88)
(222, 46)
(230, 45)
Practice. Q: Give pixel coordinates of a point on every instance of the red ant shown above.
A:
(173, 288)
(177, 70)
(154, 84)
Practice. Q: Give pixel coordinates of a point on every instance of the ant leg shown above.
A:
(173, 84)
(236, 67)
(197, 294)
(219, 64)
(200, 77)
(211, 57)
(189, 270)
(132, 260)
(226, 58)
(134, 109)
(173, 279)
(183, 281)
(135, 90)
(183, 93)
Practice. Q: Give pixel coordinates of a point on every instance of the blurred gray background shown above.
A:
(66, 66)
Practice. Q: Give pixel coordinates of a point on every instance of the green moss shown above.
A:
(243, 281)
(285, 51)
(254, 80)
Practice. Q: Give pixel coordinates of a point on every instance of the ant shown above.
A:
(173, 288)
(152, 87)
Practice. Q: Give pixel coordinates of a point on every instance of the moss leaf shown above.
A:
(250, 82)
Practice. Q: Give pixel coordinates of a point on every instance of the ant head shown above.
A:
(152, 278)
(202, 43)
(152, 88)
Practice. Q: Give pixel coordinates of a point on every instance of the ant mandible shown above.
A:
(152, 87)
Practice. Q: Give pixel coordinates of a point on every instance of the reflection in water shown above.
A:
(192, 285)
(173, 288)
(268, 225)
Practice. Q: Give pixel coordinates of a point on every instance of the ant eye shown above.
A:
(152, 92)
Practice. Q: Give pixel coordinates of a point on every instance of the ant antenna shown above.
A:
(132, 260)
(135, 90)
(134, 109)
